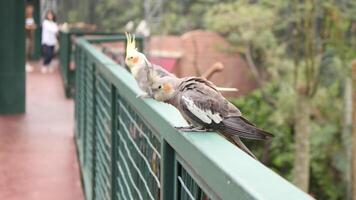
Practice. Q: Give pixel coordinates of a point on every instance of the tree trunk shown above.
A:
(354, 134)
(346, 135)
(302, 144)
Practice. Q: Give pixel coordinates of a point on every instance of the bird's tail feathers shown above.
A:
(237, 141)
(239, 126)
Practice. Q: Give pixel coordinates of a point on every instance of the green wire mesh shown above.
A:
(79, 105)
(102, 188)
(138, 156)
(188, 189)
(137, 160)
(89, 135)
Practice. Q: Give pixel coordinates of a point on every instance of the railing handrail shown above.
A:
(111, 38)
(221, 169)
(66, 52)
(88, 32)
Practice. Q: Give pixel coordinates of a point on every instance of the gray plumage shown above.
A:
(203, 106)
(141, 74)
(141, 69)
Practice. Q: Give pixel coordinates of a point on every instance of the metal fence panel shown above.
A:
(103, 140)
(138, 154)
(67, 51)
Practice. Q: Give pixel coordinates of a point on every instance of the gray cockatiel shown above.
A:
(140, 67)
(138, 63)
(203, 106)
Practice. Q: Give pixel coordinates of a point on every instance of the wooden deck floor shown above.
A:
(37, 153)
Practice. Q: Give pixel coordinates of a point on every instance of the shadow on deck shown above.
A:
(37, 152)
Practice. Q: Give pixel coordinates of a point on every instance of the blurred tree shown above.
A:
(177, 17)
(181, 16)
(113, 15)
(109, 15)
(354, 132)
(290, 45)
(73, 11)
(341, 25)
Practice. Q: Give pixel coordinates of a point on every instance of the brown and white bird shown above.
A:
(138, 63)
(203, 106)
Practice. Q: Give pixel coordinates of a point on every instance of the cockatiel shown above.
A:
(203, 106)
(138, 63)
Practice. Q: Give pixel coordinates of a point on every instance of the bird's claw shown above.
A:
(190, 129)
(143, 96)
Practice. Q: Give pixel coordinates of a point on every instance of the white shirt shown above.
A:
(30, 21)
(49, 32)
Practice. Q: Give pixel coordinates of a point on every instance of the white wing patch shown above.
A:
(204, 115)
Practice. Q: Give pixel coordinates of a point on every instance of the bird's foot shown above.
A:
(190, 129)
(143, 96)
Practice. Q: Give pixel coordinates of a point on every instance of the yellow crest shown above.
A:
(131, 44)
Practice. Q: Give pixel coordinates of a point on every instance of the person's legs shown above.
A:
(51, 54)
(46, 55)
(46, 58)
(29, 68)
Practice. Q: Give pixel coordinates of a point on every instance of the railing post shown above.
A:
(94, 140)
(141, 44)
(114, 135)
(80, 106)
(76, 95)
(12, 58)
(69, 73)
(85, 112)
(167, 168)
(64, 56)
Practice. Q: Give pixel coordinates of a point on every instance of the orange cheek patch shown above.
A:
(135, 60)
(167, 88)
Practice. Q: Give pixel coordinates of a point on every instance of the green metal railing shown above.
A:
(66, 54)
(129, 149)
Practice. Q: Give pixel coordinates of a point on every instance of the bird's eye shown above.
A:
(131, 57)
(159, 87)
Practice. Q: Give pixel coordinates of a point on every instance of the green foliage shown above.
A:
(281, 147)
(252, 24)
(108, 15)
(331, 70)
(298, 47)
(112, 15)
(328, 158)
(181, 16)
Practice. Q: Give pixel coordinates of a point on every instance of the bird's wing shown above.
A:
(239, 126)
(206, 107)
(161, 72)
(197, 82)
(207, 97)
(203, 104)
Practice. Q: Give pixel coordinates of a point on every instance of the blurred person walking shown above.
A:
(30, 26)
(49, 40)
